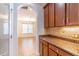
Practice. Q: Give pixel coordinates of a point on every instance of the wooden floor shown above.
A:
(26, 47)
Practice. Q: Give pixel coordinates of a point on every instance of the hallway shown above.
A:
(26, 47)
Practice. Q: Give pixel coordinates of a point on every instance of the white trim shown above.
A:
(11, 27)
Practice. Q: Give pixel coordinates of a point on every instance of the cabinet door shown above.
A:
(46, 17)
(59, 14)
(72, 10)
(45, 50)
(52, 53)
(51, 15)
(40, 48)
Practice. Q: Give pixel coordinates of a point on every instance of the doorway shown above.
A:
(26, 31)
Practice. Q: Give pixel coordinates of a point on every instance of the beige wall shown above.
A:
(67, 32)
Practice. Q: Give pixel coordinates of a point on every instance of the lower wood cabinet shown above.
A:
(40, 48)
(52, 53)
(63, 53)
(43, 48)
(47, 49)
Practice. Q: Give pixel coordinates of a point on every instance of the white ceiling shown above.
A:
(23, 13)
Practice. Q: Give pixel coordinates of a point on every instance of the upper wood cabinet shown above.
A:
(72, 15)
(59, 14)
(46, 14)
(51, 15)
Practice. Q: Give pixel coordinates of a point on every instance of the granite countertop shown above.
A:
(68, 46)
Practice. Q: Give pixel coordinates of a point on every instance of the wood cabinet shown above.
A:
(43, 48)
(51, 15)
(54, 50)
(72, 16)
(46, 14)
(63, 53)
(40, 47)
(59, 14)
(47, 49)
(52, 53)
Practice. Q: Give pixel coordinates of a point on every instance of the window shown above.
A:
(5, 28)
(27, 28)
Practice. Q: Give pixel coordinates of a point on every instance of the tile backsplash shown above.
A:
(68, 32)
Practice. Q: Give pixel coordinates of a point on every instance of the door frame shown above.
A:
(12, 15)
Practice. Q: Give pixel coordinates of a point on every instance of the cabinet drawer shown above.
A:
(53, 48)
(63, 53)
